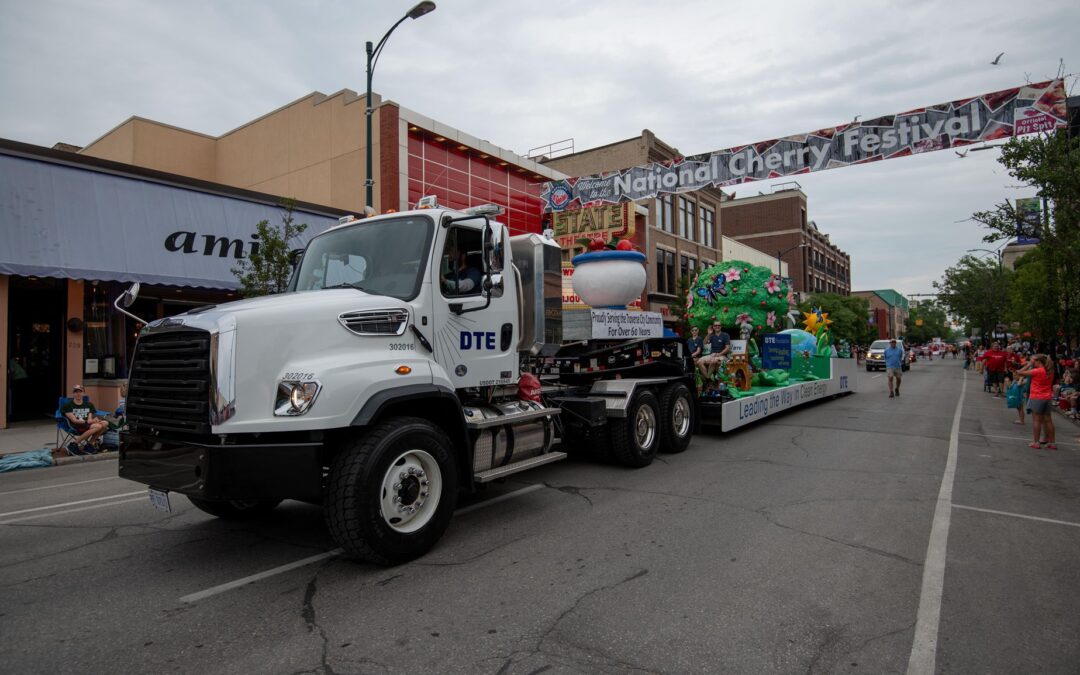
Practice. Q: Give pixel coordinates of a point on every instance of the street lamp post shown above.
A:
(419, 10)
(780, 254)
(999, 255)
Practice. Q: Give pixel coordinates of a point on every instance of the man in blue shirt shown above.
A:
(719, 348)
(894, 366)
(696, 346)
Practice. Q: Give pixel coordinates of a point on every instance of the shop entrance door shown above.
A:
(35, 347)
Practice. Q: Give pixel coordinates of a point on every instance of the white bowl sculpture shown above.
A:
(609, 279)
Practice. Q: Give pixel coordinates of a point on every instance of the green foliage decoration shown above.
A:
(734, 292)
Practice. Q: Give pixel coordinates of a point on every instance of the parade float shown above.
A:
(770, 368)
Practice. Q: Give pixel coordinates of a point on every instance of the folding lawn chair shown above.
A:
(65, 433)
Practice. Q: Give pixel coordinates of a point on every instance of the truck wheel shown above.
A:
(869, 369)
(392, 491)
(236, 509)
(635, 440)
(677, 423)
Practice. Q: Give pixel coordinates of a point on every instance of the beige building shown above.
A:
(682, 232)
(313, 150)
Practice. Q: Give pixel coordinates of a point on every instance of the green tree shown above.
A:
(976, 290)
(934, 323)
(1032, 306)
(849, 315)
(268, 267)
(679, 309)
(1049, 163)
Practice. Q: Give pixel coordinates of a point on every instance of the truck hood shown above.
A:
(280, 311)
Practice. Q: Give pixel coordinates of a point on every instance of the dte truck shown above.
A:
(415, 355)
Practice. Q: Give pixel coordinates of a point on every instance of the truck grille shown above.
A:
(169, 385)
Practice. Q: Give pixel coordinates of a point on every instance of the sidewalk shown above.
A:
(26, 436)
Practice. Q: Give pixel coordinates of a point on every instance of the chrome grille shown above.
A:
(375, 321)
(169, 384)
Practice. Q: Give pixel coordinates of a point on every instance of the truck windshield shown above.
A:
(384, 257)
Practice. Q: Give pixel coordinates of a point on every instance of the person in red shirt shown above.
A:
(1042, 391)
(995, 367)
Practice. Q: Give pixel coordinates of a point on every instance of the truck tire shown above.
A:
(236, 509)
(391, 492)
(869, 369)
(635, 439)
(677, 421)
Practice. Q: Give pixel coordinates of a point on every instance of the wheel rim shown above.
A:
(645, 427)
(410, 491)
(680, 416)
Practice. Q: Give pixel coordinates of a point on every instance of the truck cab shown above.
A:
(383, 383)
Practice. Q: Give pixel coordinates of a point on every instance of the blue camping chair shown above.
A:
(65, 433)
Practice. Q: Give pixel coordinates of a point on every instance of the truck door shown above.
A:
(474, 333)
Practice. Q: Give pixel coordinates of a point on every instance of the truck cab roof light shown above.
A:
(485, 210)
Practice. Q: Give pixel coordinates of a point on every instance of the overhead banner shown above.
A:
(1001, 114)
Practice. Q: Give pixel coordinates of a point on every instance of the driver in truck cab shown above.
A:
(461, 273)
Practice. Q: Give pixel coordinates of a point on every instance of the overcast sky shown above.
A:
(701, 75)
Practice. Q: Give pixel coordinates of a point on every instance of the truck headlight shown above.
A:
(295, 398)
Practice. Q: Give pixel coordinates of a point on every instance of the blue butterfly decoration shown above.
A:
(717, 288)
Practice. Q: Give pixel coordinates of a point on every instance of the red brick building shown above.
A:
(776, 223)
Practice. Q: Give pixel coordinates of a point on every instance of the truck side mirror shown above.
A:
(129, 296)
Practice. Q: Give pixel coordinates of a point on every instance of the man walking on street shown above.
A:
(894, 366)
(995, 367)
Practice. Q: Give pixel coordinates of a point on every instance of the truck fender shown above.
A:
(435, 403)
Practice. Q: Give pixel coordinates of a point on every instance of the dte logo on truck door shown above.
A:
(478, 339)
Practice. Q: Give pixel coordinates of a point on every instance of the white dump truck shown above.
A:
(386, 381)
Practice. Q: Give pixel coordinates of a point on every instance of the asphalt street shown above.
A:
(821, 540)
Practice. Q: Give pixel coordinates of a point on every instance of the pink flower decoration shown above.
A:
(770, 319)
(733, 274)
(772, 285)
(742, 318)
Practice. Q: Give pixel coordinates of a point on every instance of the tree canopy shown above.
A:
(268, 267)
(849, 314)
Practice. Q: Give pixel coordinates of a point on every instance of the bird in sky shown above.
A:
(997, 59)
(961, 154)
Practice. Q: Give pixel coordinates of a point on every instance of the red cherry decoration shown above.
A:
(753, 292)
(762, 303)
(624, 245)
(725, 310)
(596, 244)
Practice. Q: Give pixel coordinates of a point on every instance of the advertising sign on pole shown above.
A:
(998, 115)
(1028, 220)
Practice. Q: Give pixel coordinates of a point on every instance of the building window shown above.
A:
(688, 267)
(708, 227)
(665, 213)
(665, 272)
(687, 220)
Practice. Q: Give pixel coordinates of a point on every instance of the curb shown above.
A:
(101, 456)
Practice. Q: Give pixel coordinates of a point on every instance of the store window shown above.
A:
(708, 226)
(665, 213)
(103, 332)
(665, 272)
(687, 220)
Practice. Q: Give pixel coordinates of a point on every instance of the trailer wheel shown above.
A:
(236, 509)
(677, 408)
(392, 491)
(635, 440)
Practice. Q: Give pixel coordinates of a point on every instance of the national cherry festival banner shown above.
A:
(1001, 114)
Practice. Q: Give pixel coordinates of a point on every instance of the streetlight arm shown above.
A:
(378, 48)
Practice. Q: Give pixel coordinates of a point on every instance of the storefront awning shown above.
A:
(69, 222)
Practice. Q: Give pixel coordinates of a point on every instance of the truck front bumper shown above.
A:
(224, 472)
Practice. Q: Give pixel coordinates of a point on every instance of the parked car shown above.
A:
(875, 356)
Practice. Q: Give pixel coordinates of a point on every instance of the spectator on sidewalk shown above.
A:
(82, 415)
(1042, 380)
(995, 360)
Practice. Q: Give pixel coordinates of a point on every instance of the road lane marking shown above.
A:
(81, 501)
(1025, 439)
(195, 597)
(924, 645)
(59, 485)
(230, 585)
(63, 513)
(1016, 515)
